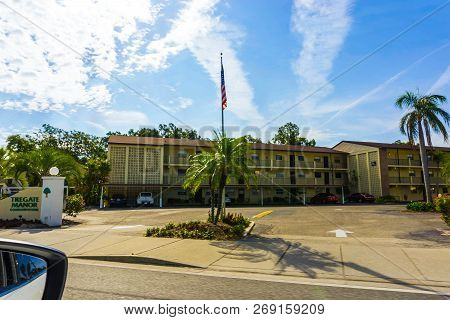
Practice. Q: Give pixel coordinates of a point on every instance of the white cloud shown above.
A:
(38, 73)
(114, 118)
(323, 25)
(441, 82)
(184, 103)
(198, 29)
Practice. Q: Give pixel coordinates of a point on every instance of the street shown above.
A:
(88, 281)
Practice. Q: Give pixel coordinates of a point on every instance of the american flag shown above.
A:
(224, 93)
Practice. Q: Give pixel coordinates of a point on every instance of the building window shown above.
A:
(337, 160)
(430, 173)
(301, 174)
(254, 157)
(301, 158)
(182, 154)
(279, 191)
(338, 175)
(373, 163)
(278, 157)
(317, 174)
(412, 174)
(317, 159)
(181, 172)
(279, 175)
(444, 190)
(181, 193)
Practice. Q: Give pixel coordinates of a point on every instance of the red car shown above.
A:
(324, 198)
(361, 197)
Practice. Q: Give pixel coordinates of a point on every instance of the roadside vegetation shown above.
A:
(439, 204)
(231, 227)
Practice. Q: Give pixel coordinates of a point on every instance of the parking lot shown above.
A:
(364, 221)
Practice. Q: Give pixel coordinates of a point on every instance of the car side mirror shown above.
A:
(31, 272)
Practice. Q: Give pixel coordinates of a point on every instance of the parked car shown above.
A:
(118, 200)
(324, 197)
(361, 197)
(145, 198)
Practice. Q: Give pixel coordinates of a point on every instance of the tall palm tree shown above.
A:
(37, 163)
(423, 117)
(202, 168)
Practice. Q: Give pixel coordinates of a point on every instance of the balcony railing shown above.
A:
(177, 160)
(404, 162)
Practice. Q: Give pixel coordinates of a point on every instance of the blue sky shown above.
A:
(66, 62)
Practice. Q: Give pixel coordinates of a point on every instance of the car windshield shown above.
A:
(146, 194)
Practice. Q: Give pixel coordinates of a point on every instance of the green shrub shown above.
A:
(234, 219)
(442, 205)
(420, 206)
(203, 230)
(385, 199)
(74, 204)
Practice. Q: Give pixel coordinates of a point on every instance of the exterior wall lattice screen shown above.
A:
(117, 161)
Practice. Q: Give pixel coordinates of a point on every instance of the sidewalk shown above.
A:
(346, 259)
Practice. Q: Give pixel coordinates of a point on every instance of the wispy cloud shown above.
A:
(38, 73)
(197, 28)
(441, 82)
(323, 25)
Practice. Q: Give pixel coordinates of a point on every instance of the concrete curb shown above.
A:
(249, 229)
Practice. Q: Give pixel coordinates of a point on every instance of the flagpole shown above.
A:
(221, 107)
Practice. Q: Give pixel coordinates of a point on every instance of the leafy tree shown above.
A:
(36, 163)
(172, 131)
(95, 173)
(250, 139)
(400, 142)
(290, 134)
(423, 116)
(145, 132)
(18, 143)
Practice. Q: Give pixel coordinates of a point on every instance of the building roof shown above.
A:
(151, 141)
(390, 145)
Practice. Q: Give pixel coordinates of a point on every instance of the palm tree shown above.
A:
(37, 163)
(423, 117)
(231, 158)
(5, 164)
(228, 159)
(202, 168)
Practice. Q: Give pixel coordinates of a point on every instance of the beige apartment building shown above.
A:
(391, 169)
(285, 174)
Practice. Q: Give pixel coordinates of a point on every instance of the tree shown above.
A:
(228, 159)
(37, 163)
(95, 173)
(290, 134)
(423, 116)
(18, 143)
(5, 164)
(250, 139)
(145, 132)
(202, 168)
(231, 160)
(172, 131)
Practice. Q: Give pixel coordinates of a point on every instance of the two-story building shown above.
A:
(392, 169)
(285, 174)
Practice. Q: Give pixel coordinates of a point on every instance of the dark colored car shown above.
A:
(361, 197)
(118, 200)
(324, 198)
